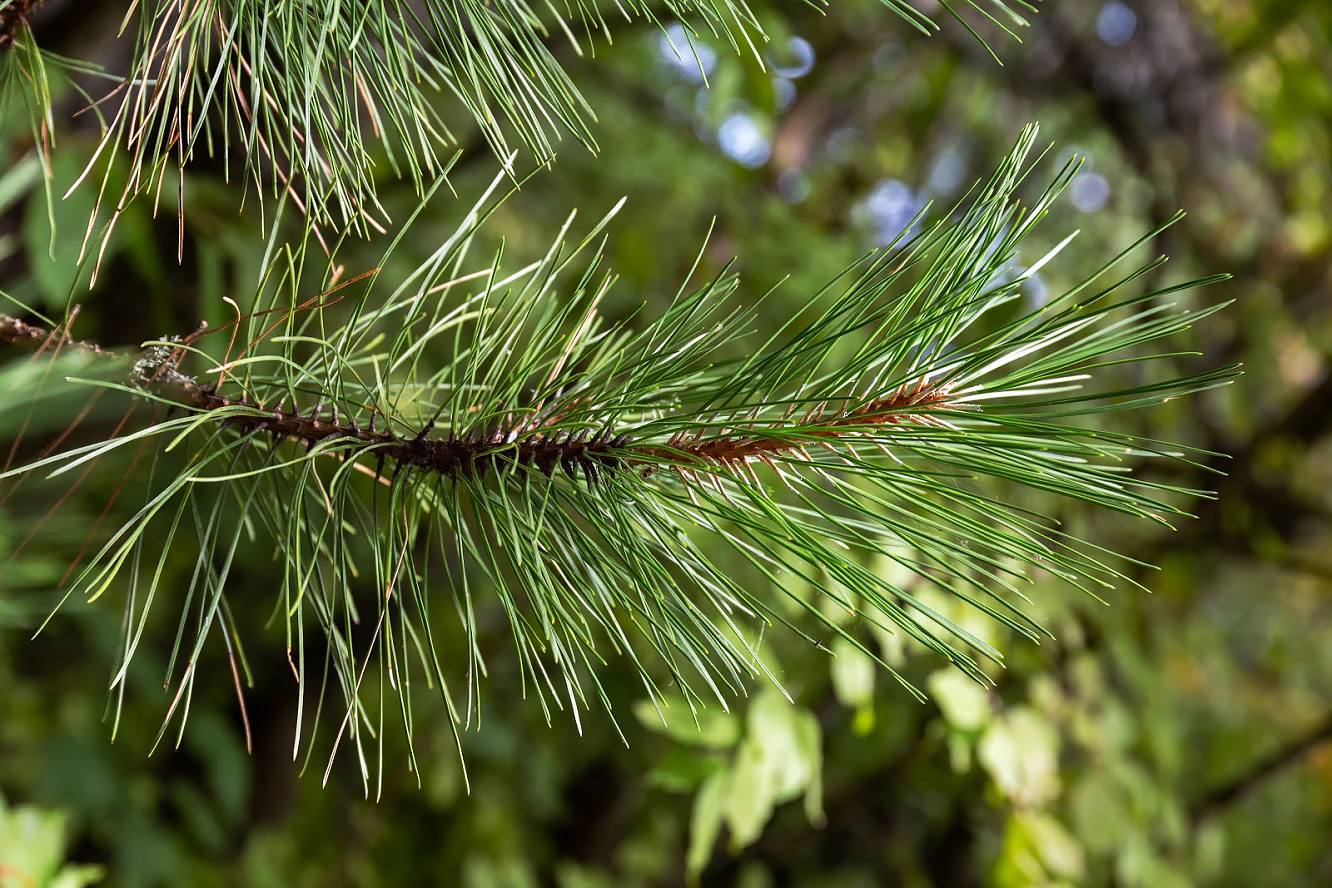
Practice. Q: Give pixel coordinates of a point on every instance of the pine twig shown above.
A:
(523, 443)
(35, 338)
(892, 408)
(14, 16)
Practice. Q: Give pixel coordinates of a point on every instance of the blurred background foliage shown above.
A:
(1173, 738)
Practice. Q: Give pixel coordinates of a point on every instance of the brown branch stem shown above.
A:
(12, 17)
(34, 338)
(529, 442)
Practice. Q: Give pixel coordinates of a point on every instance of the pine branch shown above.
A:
(590, 471)
(14, 15)
(506, 447)
(32, 337)
(313, 97)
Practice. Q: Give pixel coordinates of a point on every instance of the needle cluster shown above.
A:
(600, 482)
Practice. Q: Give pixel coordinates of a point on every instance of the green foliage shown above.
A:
(32, 850)
(318, 99)
(913, 379)
(706, 565)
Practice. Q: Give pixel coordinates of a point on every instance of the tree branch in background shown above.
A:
(1216, 800)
